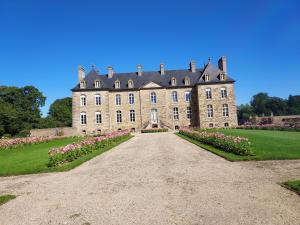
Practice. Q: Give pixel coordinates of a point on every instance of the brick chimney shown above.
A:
(193, 66)
(81, 74)
(223, 64)
(162, 69)
(110, 71)
(139, 70)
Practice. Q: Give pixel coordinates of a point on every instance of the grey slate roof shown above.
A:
(153, 76)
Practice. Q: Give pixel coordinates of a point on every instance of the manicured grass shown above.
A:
(265, 145)
(34, 158)
(293, 185)
(6, 198)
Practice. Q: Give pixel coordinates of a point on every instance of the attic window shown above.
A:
(117, 84)
(97, 83)
(82, 84)
(206, 77)
(130, 84)
(173, 81)
(187, 81)
(222, 76)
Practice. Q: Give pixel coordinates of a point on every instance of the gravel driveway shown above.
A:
(156, 179)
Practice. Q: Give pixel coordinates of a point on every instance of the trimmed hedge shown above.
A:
(154, 130)
(276, 128)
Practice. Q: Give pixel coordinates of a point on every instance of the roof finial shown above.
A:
(209, 59)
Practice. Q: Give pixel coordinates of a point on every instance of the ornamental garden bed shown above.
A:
(154, 130)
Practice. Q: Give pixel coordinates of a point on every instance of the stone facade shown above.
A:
(166, 111)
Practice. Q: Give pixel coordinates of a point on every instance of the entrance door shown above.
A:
(154, 116)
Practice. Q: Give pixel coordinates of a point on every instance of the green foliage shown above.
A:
(156, 130)
(293, 129)
(61, 111)
(245, 113)
(293, 185)
(6, 198)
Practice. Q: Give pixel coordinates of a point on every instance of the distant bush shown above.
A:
(154, 130)
(268, 127)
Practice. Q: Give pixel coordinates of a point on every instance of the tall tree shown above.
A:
(259, 104)
(294, 104)
(61, 111)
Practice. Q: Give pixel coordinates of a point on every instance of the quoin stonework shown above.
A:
(199, 97)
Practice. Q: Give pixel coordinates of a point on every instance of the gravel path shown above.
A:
(156, 179)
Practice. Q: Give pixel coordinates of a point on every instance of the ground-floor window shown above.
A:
(176, 127)
(83, 118)
(210, 111)
(211, 125)
(132, 129)
(119, 116)
(175, 113)
(225, 110)
(98, 118)
(189, 112)
(132, 115)
(226, 124)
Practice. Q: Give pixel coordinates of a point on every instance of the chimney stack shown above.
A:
(110, 71)
(139, 68)
(222, 64)
(193, 66)
(162, 69)
(80, 73)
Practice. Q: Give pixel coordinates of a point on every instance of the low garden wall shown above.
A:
(57, 131)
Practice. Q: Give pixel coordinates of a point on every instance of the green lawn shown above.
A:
(266, 145)
(294, 185)
(6, 198)
(34, 158)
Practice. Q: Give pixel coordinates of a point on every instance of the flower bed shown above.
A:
(269, 127)
(73, 151)
(15, 142)
(236, 145)
(154, 130)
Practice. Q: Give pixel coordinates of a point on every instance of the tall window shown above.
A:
(208, 93)
(97, 99)
(130, 83)
(175, 113)
(131, 99)
(223, 92)
(153, 97)
(118, 99)
(225, 110)
(210, 111)
(187, 81)
(174, 96)
(82, 84)
(119, 116)
(117, 84)
(97, 83)
(187, 96)
(189, 112)
(98, 117)
(222, 76)
(83, 118)
(173, 81)
(82, 100)
(206, 77)
(132, 115)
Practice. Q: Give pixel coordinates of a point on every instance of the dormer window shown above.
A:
(130, 84)
(206, 77)
(173, 81)
(117, 84)
(97, 84)
(82, 84)
(187, 81)
(222, 76)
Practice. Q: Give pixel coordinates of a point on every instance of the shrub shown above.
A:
(154, 130)
(236, 145)
(269, 127)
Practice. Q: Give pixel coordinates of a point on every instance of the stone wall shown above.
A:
(58, 131)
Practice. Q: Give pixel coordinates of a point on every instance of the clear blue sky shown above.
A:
(42, 42)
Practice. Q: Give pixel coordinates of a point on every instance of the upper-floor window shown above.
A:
(206, 77)
(82, 100)
(131, 98)
(187, 96)
(225, 110)
(187, 81)
(97, 83)
(98, 117)
(223, 92)
(222, 76)
(98, 99)
(153, 97)
(130, 83)
(132, 115)
(173, 81)
(82, 84)
(174, 96)
(175, 113)
(119, 116)
(189, 112)
(118, 99)
(208, 93)
(210, 111)
(83, 118)
(117, 84)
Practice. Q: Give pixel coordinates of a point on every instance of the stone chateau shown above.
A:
(200, 97)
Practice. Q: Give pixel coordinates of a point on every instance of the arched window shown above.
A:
(83, 118)
(210, 111)
(173, 81)
(187, 81)
(130, 83)
(208, 93)
(131, 98)
(223, 92)
(82, 100)
(97, 84)
(98, 118)
(153, 97)
(117, 84)
(175, 113)
(222, 76)
(119, 116)
(174, 96)
(225, 110)
(118, 99)
(97, 99)
(132, 115)
(206, 77)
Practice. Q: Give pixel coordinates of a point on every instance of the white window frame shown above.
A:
(175, 113)
(82, 100)
(206, 77)
(222, 76)
(97, 99)
(130, 84)
(153, 98)
(187, 81)
(97, 83)
(131, 98)
(98, 118)
(225, 110)
(132, 115)
(208, 93)
(187, 96)
(118, 116)
(173, 81)
(117, 84)
(223, 92)
(118, 99)
(83, 118)
(210, 111)
(174, 97)
(189, 112)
